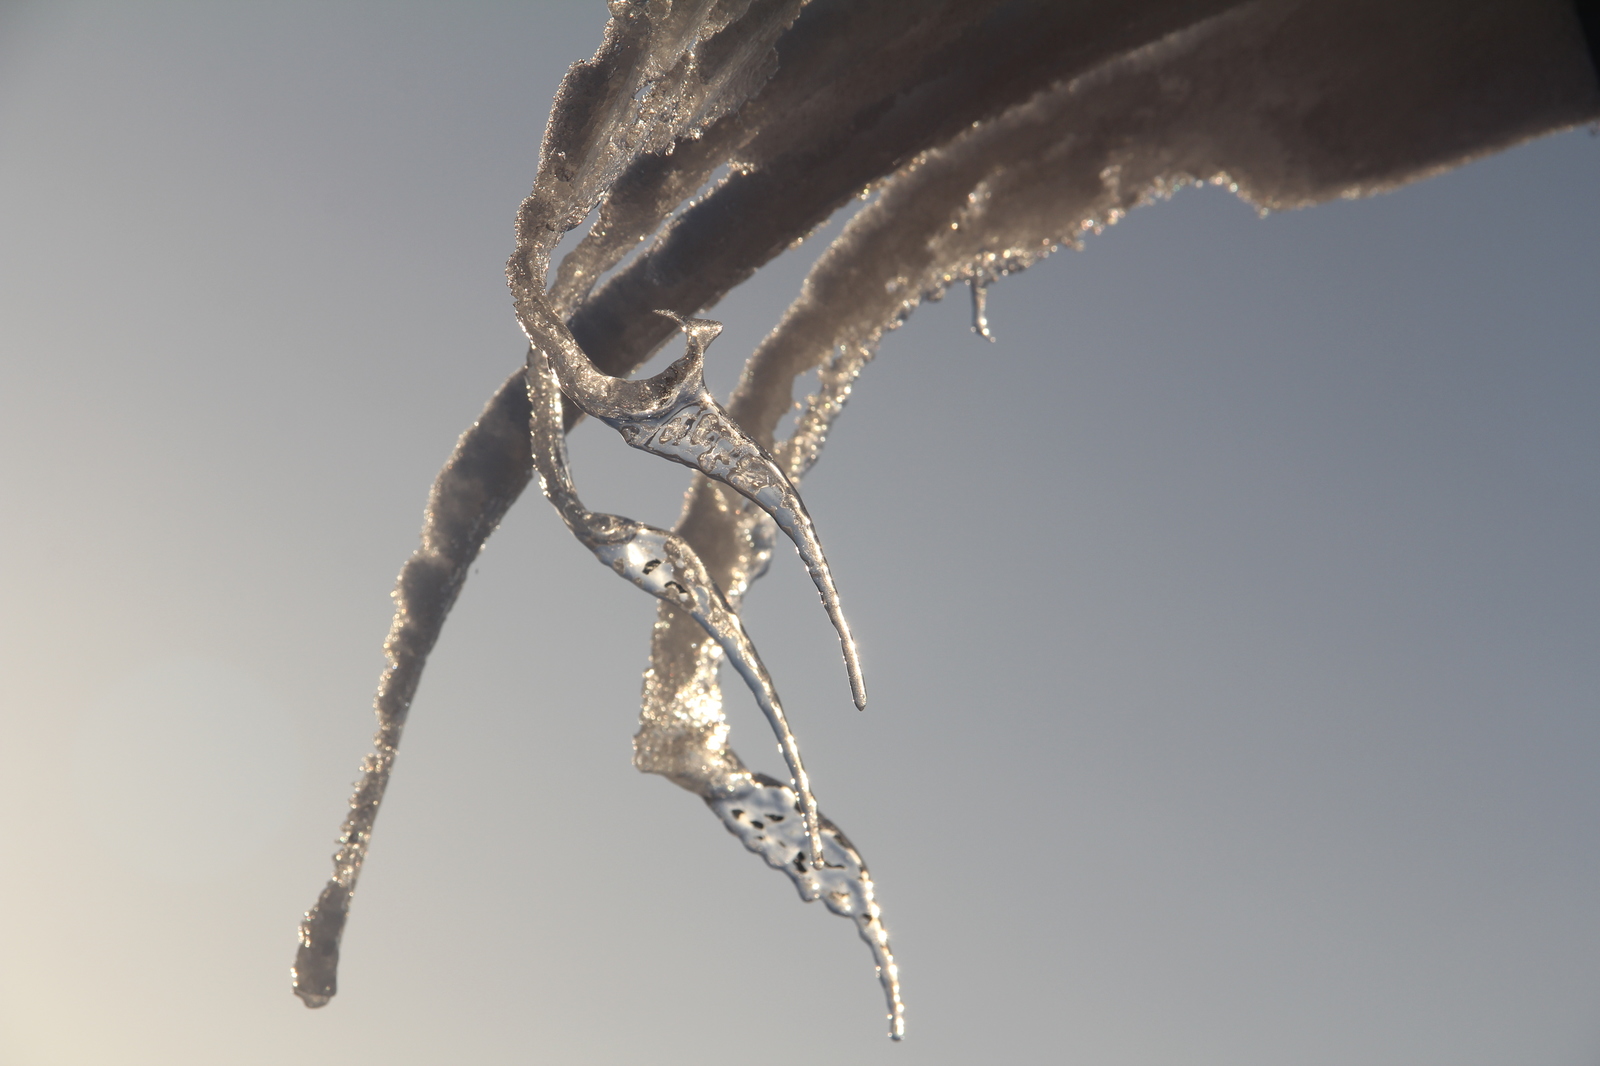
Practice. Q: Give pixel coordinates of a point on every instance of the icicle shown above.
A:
(662, 564)
(980, 307)
(996, 130)
(687, 426)
(757, 809)
(582, 156)
(682, 732)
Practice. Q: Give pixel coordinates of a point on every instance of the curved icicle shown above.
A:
(674, 416)
(995, 131)
(689, 427)
(682, 732)
(662, 564)
(570, 179)
(683, 737)
(754, 808)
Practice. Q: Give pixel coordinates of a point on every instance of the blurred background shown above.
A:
(1231, 623)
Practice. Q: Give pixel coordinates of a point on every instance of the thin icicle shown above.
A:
(580, 158)
(673, 415)
(683, 736)
(662, 564)
(682, 732)
(690, 427)
(980, 307)
(757, 809)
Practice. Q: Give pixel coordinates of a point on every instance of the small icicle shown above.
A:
(980, 307)
(664, 565)
(756, 809)
(683, 423)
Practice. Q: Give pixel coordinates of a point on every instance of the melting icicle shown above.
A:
(980, 307)
(662, 564)
(995, 130)
(683, 734)
(693, 429)
(674, 416)
(758, 810)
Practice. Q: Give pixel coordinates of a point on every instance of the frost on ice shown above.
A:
(991, 132)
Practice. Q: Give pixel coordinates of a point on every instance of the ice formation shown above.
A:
(664, 565)
(992, 132)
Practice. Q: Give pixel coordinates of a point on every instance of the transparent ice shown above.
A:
(664, 565)
(985, 135)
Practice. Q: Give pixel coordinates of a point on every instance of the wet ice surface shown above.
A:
(662, 564)
(993, 134)
(761, 813)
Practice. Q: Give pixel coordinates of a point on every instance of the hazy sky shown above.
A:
(1231, 624)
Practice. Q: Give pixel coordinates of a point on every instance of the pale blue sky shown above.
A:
(1231, 624)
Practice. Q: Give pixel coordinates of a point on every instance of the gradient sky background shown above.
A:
(1231, 624)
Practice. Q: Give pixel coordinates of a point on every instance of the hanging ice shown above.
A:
(980, 307)
(993, 131)
(673, 416)
(662, 564)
